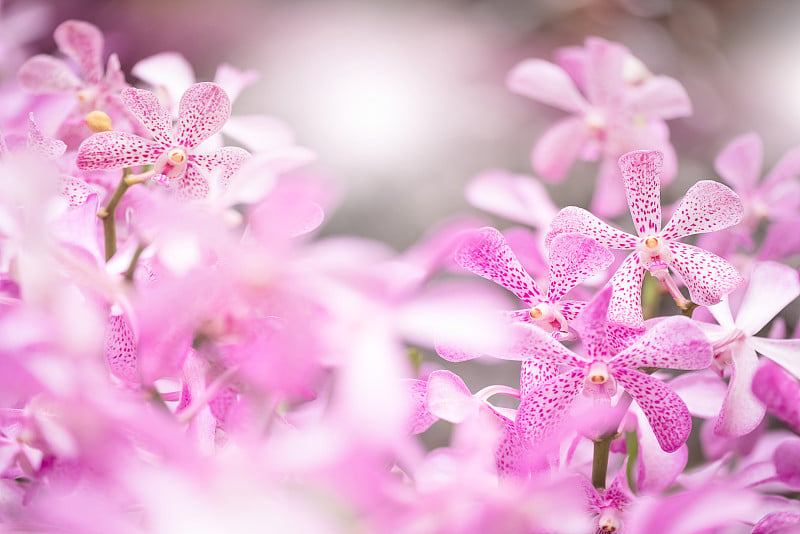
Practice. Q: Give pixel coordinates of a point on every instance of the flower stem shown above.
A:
(602, 447)
(134, 261)
(108, 214)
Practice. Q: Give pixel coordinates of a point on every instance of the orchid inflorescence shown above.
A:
(181, 353)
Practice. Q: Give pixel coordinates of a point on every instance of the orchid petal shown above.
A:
(574, 258)
(772, 286)
(707, 276)
(626, 302)
(557, 149)
(145, 106)
(46, 147)
(784, 352)
(534, 373)
(547, 83)
(570, 309)
(703, 393)
(449, 397)
(592, 322)
(781, 240)
(662, 97)
(233, 81)
(421, 418)
(741, 411)
(672, 343)
(641, 174)
(740, 162)
(46, 74)
(665, 411)
(528, 342)
(785, 171)
(777, 523)
(193, 185)
(115, 150)
(577, 220)
(231, 160)
(604, 72)
(120, 349)
(486, 253)
(543, 410)
(708, 206)
(259, 132)
(203, 110)
(787, 462)
(609, 196)
(516, 197)
(83, 43)
(779, 392)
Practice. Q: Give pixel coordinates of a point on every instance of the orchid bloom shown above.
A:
(573, 259)
(706, 207)
(203, 110)
(617, 105)
(772, 286)
(672, 343)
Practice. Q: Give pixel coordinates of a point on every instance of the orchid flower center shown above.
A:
(176, 156)
(543, 312)
(598, 372)
(595, 120)
(609, 520)
(651, 242)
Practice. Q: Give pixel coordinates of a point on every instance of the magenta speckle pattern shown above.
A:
(82, 42)
(577, 220)
(145, 106)
(120, 349)
(534, 373)
(708, 206)
(570, 309)
(573, 259)
(38, 143)
(641, 174)
(665, 410)
(672, 343)
(75, 191)
(220, 405)
(544, 409)
(115, 150)
(193, 185)
(626, 302)
(509, 455)
(707, 276)
(486, 253)
(46, 74)
(529, 342)
(203, 110)
(421, 419)
(230, 158)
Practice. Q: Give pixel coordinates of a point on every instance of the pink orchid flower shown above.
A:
(672, 343)
(616, 106)
(772, 286)
(203, 110)
(707, 206)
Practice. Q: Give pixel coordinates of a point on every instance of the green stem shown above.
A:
(134, 261)
(108, 214)
(602, 447)
(632, 445)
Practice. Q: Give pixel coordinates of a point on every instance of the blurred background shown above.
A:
(405, 100)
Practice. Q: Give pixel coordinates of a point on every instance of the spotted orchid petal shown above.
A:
(83, 43)
(784, 352)
(449, 397)
(641, 174)
(421, 418)
(573, 259)
(671, 343)
(772, 286)
(526, 342)
(75, 190)
(592, 322)
(740, 162)
(486, 253)
(707, 207)
(115, 150)
(46, 74)
(570, 309)
(662, 97)
(707, 276)
(231, 160)
(577, 220)
(558, 148)
(42, 145)
(193, 185)
(741, 411)
(534, 373)
(626, 302)
(146, 107)
(665, 411)
(515, 197)
(510, 452)
(203, 110)
(120, 349)
(546, 83)
(656, 470)
(541, 412)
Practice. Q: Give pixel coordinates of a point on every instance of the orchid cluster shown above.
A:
(181, 351)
